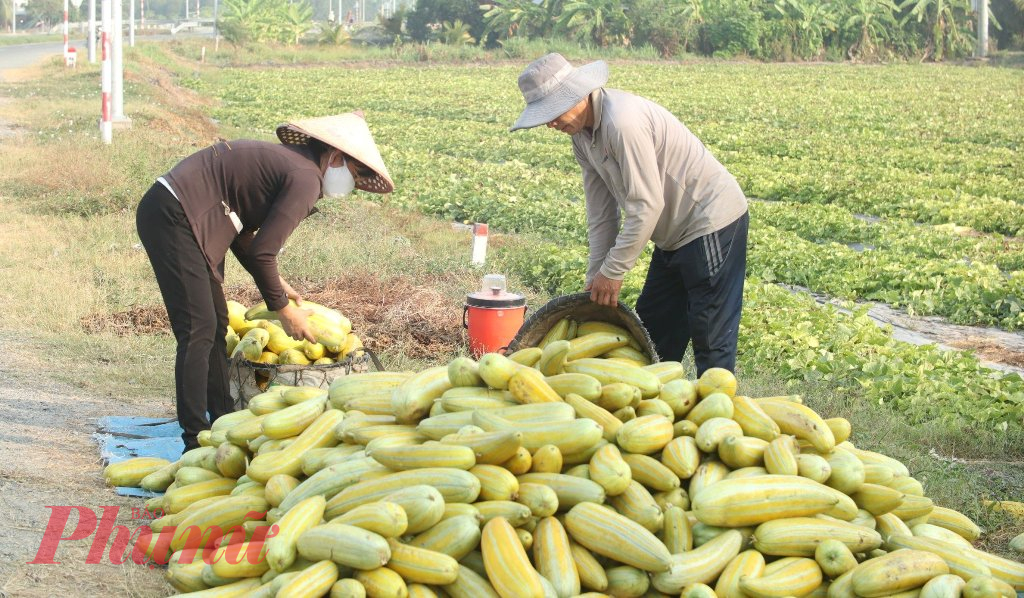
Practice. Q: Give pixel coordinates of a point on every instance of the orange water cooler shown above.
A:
(492, 316)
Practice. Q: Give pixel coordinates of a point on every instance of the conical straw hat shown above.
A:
(349, 133)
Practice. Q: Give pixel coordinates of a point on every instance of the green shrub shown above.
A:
(731, 28)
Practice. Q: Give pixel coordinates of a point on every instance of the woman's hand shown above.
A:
(292, 293)
(295, 322)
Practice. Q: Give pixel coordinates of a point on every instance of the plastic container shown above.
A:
(492, 316)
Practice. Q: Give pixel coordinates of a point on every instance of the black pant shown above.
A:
(696, 292)
(196, 308)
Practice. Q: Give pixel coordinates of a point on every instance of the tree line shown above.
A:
(764, 29)
(862, 30)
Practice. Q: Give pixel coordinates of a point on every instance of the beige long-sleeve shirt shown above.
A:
(645, 170)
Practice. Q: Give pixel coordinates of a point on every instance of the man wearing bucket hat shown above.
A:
(246, 196)
(645, 170)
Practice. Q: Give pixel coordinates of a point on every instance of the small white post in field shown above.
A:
(479, 244)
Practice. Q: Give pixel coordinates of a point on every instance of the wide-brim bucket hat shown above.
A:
(350, 134)
(551, 86)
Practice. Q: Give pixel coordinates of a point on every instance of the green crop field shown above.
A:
(920, 164)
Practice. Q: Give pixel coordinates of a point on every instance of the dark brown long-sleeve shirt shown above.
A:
(270, 187)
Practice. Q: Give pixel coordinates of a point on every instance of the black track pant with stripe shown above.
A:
(197, 310)
(696, 293)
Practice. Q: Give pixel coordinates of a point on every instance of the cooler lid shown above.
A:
(495, 298)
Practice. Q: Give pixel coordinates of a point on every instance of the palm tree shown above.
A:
(334, 34)
(515, 17)
(236, 23)
(869, 22)
(296, 20)
(552, 11)
(598, 21)
(946, 21)
(692, 12)
(456, 33)
(5, 13)
(809, 21)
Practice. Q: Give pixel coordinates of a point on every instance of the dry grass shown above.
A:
(390, 315)
(137, 320)
(990, 351)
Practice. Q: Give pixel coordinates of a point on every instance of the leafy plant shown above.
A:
(509, 18)
(867, 25)
(808, 22)
(428, 15)
(392, 25)
(731, 27)
(261, 21)
(6, 14)
(455, 34)
(946, 24)
(334, 34)
(296, 20)
(666, 25)
(597, 21)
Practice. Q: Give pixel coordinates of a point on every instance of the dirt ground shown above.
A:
(48, 458)
(398, 314)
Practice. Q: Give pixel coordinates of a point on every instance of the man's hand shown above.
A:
(604, 290)
(292, 293)
(295, 322)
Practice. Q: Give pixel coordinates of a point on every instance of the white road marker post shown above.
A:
(479, 244)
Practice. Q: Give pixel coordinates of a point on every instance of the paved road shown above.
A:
(25, 55)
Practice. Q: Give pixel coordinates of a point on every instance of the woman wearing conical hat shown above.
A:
(247, 197)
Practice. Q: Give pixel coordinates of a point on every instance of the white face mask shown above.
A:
(338, 181)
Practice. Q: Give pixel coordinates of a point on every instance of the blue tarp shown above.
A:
(122, 438)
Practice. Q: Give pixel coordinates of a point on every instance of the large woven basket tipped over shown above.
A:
(579, 307)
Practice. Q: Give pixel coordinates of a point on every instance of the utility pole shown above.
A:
(982, 50)
(92, 31)
(14, 16)
(118, 64)
(131, 23)
(65, 30)
(106, 125)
